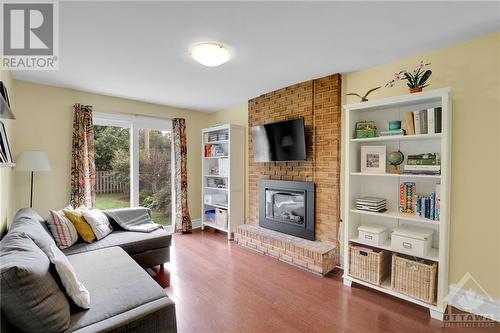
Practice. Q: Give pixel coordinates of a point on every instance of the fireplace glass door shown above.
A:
(286, 206)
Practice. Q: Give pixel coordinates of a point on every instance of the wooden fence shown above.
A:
(106, 183)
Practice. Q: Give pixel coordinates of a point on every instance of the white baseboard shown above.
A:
(196, 223)
(475, 303)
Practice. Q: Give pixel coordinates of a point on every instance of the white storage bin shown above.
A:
(214, 199)
(221, 217)
(375, 235)
(412, 241)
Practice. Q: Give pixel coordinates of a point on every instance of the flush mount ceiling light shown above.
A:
(210, 54)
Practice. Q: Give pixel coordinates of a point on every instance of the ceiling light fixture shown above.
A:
(210, 54)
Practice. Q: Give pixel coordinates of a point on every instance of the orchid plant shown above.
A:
(416, 79)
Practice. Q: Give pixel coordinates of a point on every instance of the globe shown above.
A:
(395, 157)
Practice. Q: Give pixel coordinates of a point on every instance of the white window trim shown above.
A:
(134, 123)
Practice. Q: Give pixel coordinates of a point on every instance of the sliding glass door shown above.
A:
(112, 162)
(134, 164)
(155, 173)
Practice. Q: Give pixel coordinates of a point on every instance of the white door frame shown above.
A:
(134, 123)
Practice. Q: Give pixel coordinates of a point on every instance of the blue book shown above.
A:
(432, 206)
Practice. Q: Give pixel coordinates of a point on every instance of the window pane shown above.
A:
(155, 174)
(112, 159)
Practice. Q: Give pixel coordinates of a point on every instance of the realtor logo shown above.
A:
(29, 35)
(480, 309)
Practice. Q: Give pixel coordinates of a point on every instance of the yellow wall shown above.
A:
(472, 70)
(44, 122)
(7, 174)
(237, 116)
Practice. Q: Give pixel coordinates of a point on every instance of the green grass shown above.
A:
(117, 200)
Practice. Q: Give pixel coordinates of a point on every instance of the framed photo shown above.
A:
(373, 159)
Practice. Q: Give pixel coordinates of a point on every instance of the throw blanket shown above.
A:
(133, 219)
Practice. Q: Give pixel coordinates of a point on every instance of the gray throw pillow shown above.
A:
(30, 299)
(28, 221)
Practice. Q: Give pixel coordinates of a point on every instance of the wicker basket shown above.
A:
(371, 267)
(414, 278)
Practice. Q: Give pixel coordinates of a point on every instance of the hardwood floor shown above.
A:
(219, 287)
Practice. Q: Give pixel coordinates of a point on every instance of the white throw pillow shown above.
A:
(98, 222)
(74, 288)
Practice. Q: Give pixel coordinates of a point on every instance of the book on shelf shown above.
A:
(416, 119)
(410, 128)
(429, 206)
(437, 203)
(434, 120)
(423, 162)
(371, 204)
(426, 156)
(428, 163)
(411, 167)
(424, 121)
(392, 132)
(430, 121)
(421, 171)
(371, 200)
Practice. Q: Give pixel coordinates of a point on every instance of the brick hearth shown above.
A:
(318, 257)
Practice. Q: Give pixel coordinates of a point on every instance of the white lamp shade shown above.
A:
(33, 161)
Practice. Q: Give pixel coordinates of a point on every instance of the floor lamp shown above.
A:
(33, 161)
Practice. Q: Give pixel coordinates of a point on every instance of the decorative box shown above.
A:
(365, 129)
(221, 217)
(375, 235)
(210, 216)
(414, 278)
(412, 241)
(370, 265)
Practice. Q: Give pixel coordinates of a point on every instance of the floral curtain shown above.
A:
(83, 164)
(182, 218)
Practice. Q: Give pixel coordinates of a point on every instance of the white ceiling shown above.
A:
(139, 50)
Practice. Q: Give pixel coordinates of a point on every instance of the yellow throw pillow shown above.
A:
(81, 226)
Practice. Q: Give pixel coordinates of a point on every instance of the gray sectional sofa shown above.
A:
(124, 298)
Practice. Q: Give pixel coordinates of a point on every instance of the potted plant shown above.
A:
(417, 80)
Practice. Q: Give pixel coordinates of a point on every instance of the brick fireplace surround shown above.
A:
(319, 103)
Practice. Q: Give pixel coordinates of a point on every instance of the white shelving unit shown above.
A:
(230, 183)
(386, 185)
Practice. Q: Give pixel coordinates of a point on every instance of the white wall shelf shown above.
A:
(232, 179)
(386, 185)
(385, 287)
(395, 175)
(399, 138)
(432, 255)
(7, 165)
(397, 215)
(216, 188)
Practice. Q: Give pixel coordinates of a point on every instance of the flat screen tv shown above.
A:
(280, 142)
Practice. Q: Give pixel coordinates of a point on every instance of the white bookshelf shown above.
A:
(231, 184)
(386, 185)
